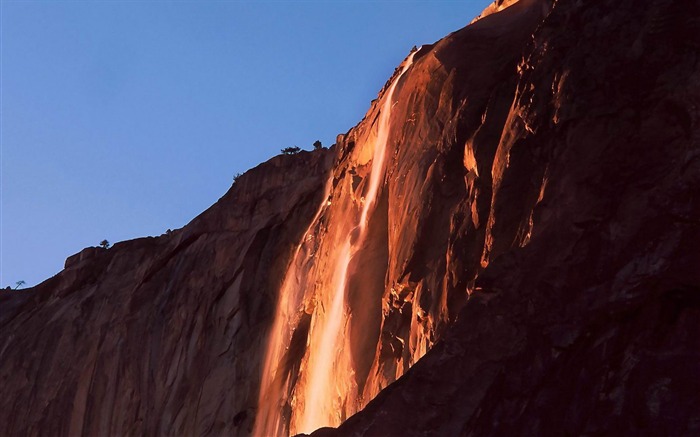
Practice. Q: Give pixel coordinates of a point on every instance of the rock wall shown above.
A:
(535, 235)
(429, 235)
(159, 336)
(586, 317)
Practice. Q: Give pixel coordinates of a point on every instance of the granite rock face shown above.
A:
(585, 319)
(159, 336)
(529, 264)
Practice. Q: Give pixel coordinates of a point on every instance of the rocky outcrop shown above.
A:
(519, 205)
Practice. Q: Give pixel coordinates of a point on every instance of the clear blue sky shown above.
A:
(121, 119)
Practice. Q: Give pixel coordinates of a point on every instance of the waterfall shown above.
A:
(274, 383)
(325, 392)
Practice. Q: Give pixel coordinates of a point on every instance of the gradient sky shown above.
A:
(121, 119)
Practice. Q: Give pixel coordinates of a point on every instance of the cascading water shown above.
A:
(274, 383)
(323, 392)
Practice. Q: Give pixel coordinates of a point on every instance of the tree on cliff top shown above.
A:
(291, 150)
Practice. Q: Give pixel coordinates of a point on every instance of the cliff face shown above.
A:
(519, 205)
(402, 259)
(586, 317)
(159, 335)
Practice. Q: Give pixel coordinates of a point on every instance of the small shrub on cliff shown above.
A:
(19, 284)
(318, 145)
(291, 150)
(104, 244)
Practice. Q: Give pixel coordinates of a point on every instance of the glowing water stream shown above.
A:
(329, 360)
(325, 392)
(321, 400)
(275, 384)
